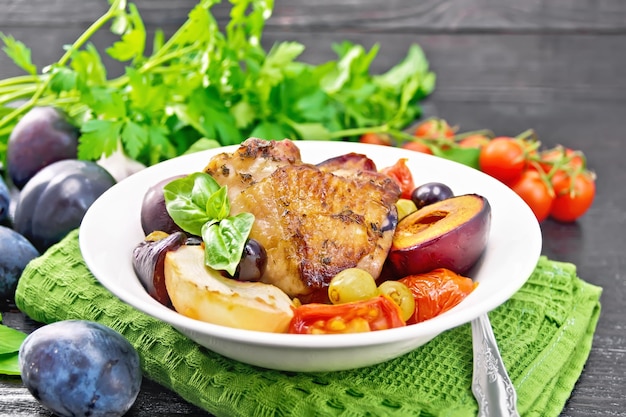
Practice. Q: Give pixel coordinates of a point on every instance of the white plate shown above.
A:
(111, 229)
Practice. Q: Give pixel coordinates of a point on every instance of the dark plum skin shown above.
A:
(41, 137)
(80, 368)
(154, 215)
(451, 233)
(15, 253)
(56, 199)
(5, 200)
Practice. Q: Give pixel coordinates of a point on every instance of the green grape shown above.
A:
(401, 295)
(405, 207)
(352, 284)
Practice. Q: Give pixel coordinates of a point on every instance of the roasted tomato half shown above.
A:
(377, 313)
(400, 173)
(437, 291)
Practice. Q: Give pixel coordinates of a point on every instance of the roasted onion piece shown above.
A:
(148, 260)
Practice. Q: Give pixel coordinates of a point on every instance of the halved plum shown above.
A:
(450, 234)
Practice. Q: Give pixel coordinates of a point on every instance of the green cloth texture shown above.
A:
(544, 332)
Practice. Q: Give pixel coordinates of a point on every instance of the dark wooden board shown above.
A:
(391, 15)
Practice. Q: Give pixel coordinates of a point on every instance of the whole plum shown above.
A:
(56, 199)
(42, 136)
(5, 200)
(154, 215)
(80, 368)
(15, 253)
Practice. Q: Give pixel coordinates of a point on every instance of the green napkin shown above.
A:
(544, 331)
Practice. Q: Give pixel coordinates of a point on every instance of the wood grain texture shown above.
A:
(362, 15)
(553, 65)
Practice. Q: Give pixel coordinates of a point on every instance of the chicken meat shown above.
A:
(313, 221)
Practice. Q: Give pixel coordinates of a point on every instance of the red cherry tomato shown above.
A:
(574, 195)
(376, 139)
(564, 157)
(476, 141)
(535, 192)
(434, 129)
(402, 175)
(503, 158)
(417, 147)
(378, 313)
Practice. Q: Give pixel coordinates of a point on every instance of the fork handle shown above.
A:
(491, 384)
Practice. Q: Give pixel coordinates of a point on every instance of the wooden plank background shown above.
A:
(500, 54)
(557, 66)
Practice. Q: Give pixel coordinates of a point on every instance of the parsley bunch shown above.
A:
(205, 86)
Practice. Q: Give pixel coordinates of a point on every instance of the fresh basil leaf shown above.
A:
(186, 201)
(465, 156)
(224, 241)
(10, 339)
(218, 205)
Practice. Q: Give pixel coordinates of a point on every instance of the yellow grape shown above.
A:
(401, 295)
(352, 284)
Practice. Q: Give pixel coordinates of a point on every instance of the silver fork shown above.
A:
(491, 384)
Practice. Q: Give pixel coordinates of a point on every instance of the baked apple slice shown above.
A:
(204, 294)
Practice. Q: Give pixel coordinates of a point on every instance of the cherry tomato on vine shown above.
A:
(434, 129)
(476, 141)
(574, 195)
(535, 192)
(417, 147)
(403, 177)
(503, 158)
(376, 139)
(564, 157)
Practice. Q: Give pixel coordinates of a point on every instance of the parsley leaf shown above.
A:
(133, 41)
(19, 53)
(99, 137)
(210, 81)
